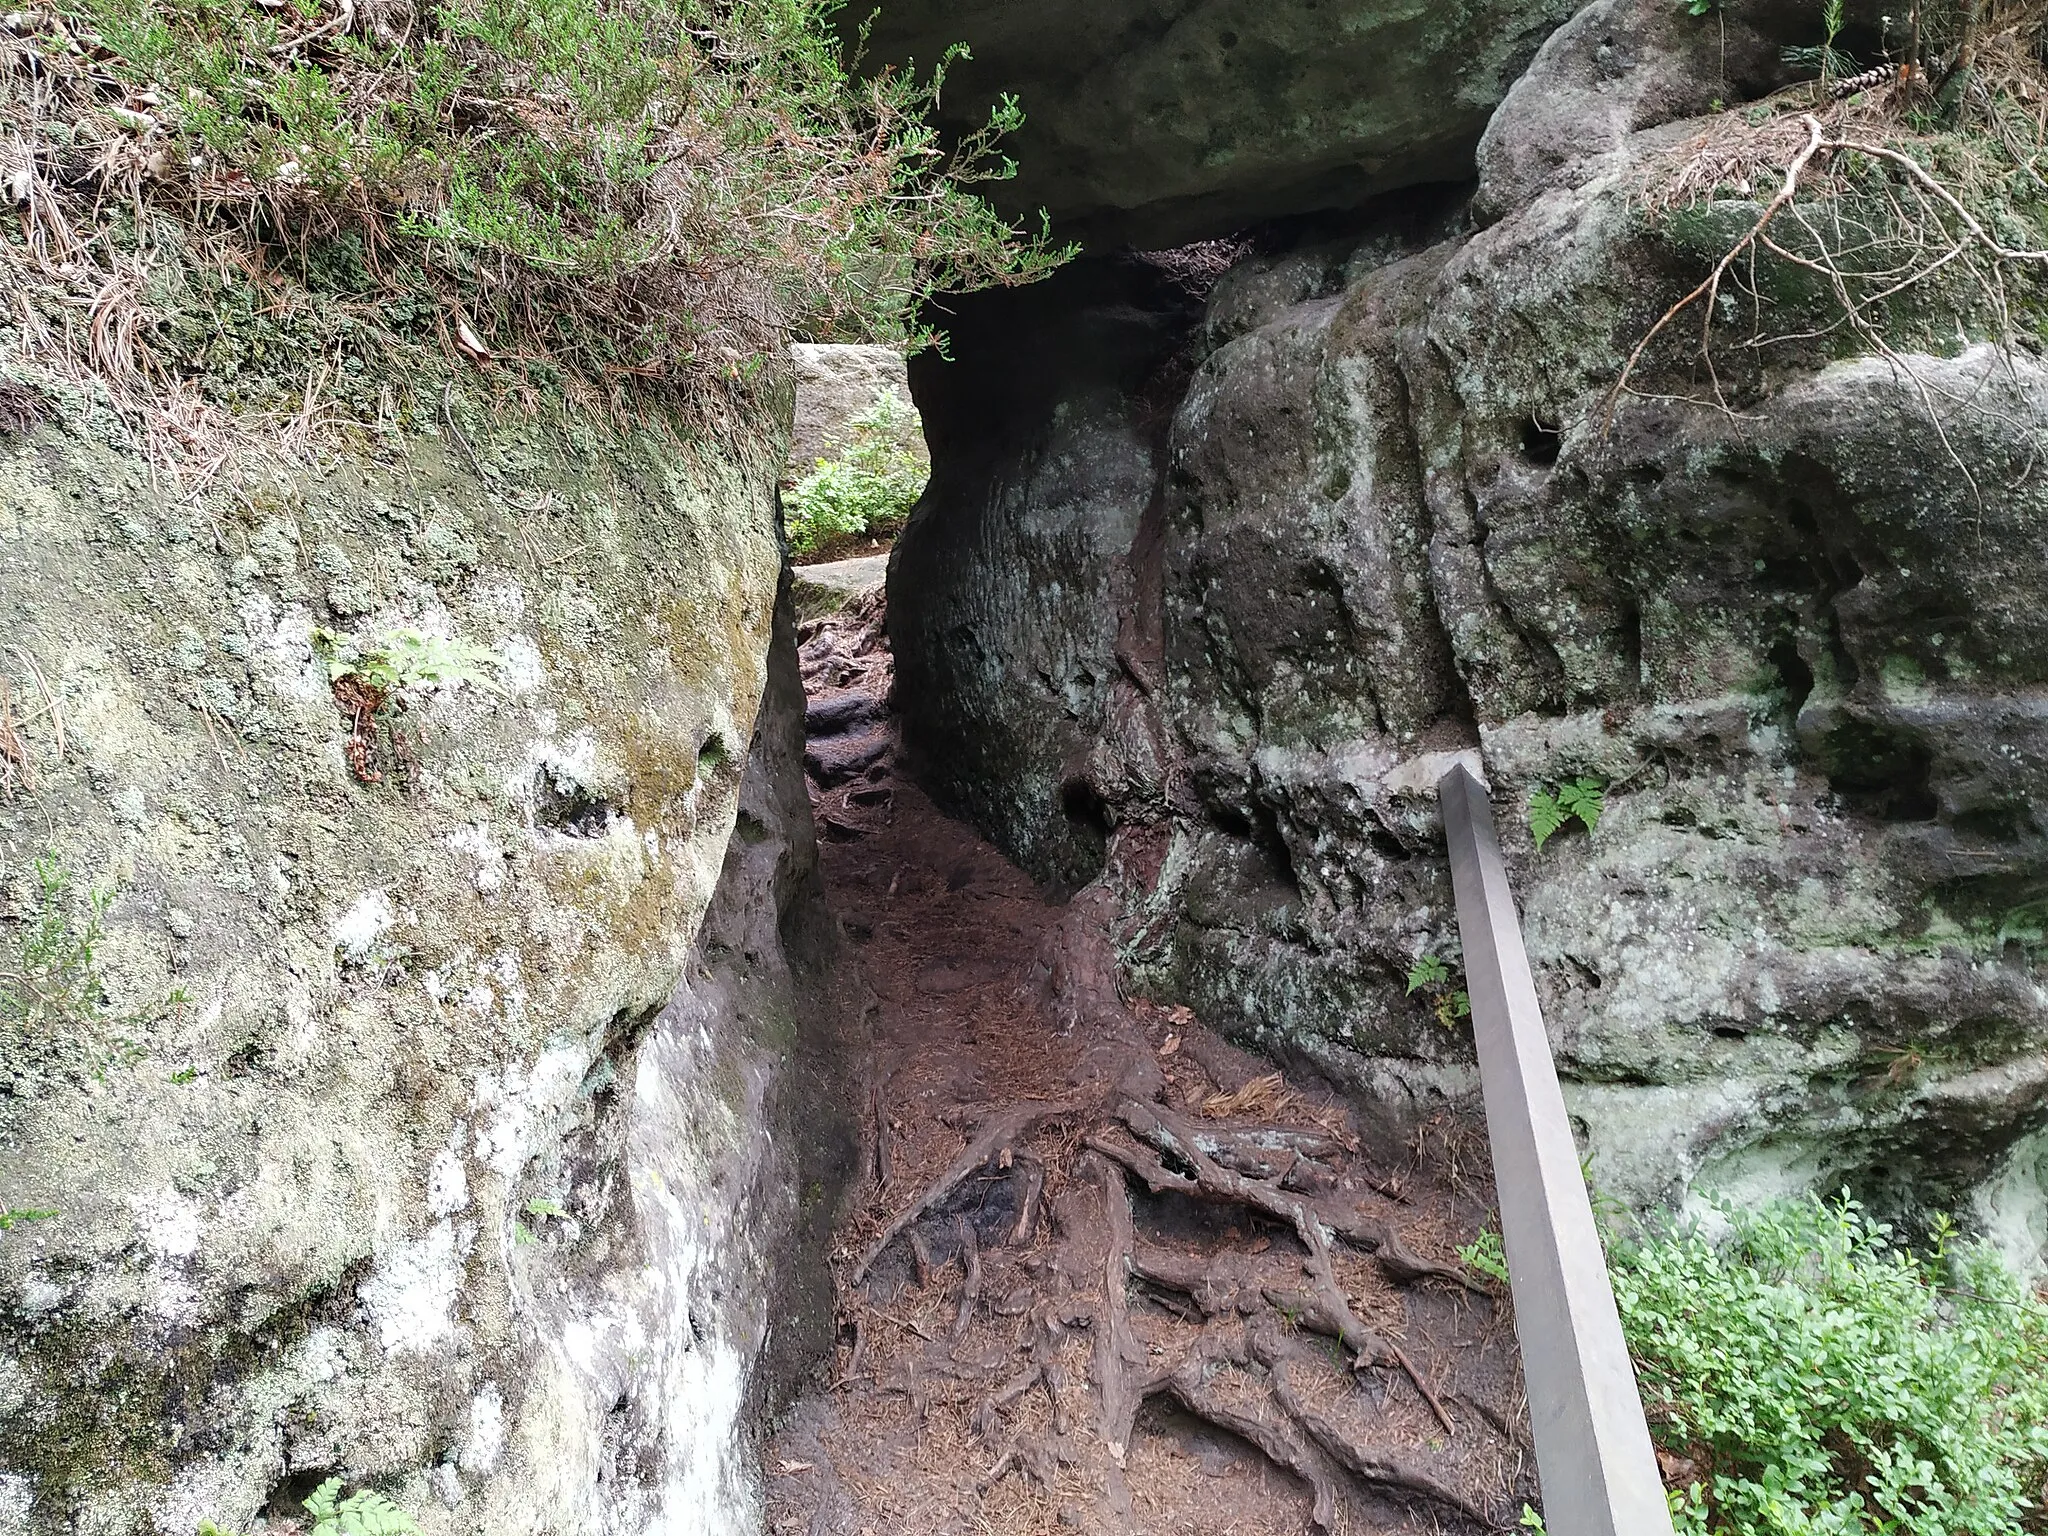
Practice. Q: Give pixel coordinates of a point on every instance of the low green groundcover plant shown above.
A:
(638, 190)
(1824, 1380)
(868, 490)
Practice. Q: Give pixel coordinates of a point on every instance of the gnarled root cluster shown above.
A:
(1080, 1260)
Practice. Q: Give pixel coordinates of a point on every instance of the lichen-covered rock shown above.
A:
(375, 1145)
(836, 382)
(1800, 641)
(1620, 66)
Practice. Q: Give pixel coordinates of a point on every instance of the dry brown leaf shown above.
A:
(470, 344)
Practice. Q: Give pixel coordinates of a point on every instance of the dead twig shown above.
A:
(15, 763)
(53, 706)
(1710, 286)
(970, 1289)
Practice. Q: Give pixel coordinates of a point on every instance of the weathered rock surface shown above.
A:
(834, 384)
(1803, 946)
(391, 1150)
(1012, 581)
(1158, 122)
(1620, 66)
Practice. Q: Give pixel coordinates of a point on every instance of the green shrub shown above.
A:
(868, 490)
(49, 965)
(55, 1010)
(1827, 1382)
(640, 189)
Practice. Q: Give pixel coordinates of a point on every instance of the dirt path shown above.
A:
(1104, 1272)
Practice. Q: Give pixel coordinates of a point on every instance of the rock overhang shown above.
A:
(1156, 122)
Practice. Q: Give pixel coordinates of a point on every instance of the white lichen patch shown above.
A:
(521, 1102)
(280, 647)
(17, 1493)
(410, 1294)
(477, 842)
(40, 1295)
(485, 1444)
(447, 1184)
(523, 672)
(367, 919)
(322, 1356)
(169, 1225)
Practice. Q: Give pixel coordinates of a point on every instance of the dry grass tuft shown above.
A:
(1269, 1098)
(1883, 220)
(605, 196)
(23, 408)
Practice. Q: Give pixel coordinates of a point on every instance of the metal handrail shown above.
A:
(1593, 1451)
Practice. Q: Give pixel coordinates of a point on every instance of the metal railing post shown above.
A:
(1593, 1451)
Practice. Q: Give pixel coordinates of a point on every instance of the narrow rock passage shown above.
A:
(1103, 1271)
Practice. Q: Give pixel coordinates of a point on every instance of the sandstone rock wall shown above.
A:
(1152, 122)
(1010, 586)
(380, 1140)
(1797, 639)
(834, 384)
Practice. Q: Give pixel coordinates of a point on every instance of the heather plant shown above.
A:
(635, 191)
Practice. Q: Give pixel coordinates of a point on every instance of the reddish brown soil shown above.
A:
(1080, 1283)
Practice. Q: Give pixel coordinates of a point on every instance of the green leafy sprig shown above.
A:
(1551, 807)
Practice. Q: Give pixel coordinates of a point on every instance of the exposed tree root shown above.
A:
(1934, 219)
(1278, 1441)
(1710, 285)
(1240, 1302)
(1033, 1197)
(1144, 1219)
(1325, 1307)
(997, 1136)
(1030, 1456)
(990, 1413)
(1117, 1352)
(970, 1290)
(1382, 1467)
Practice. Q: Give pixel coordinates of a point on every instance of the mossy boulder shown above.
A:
(375, 1146)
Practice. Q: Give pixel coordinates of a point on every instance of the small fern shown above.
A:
(363, 1513)
(1435, 979)
(407, 658)
(1427, 971)
(1581, 799)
